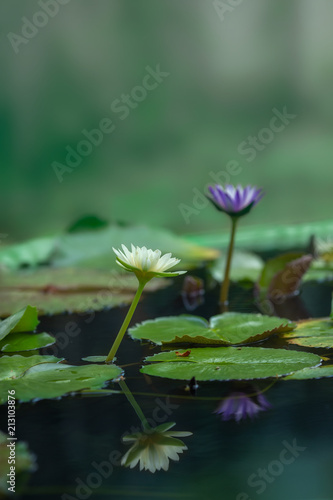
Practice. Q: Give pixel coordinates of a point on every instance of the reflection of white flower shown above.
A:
(154, 447)
(146, 261)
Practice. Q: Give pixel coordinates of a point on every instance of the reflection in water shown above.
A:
(246, 401)
(193, 292)
(154, 446)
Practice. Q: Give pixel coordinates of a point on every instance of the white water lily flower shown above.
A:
(154, 448)
(145, 262)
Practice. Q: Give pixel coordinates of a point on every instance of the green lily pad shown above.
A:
(12, 367)
(229, 363)
(15, 342)
(95, 359)
(29, 253)
(310, 373)
(55, 291)
(266, 236)
(53, 380)
(245, 266)
(90, 242)
(94, 248)
(224, 329)
(312, 333)
(25, 320)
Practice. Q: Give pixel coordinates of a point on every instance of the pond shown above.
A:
(284, 452)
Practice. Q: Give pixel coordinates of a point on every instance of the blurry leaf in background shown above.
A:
(94, 248)
(245, 266)
(87, 223)
(58, 290)
(87, 247)
(229, 363)
(281, 278)
(266, 236)
(30, 253)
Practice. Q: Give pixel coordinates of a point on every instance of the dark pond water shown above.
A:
(284, 453)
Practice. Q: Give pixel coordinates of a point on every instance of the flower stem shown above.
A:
(134, 404)
(224, 303)
(127, 320)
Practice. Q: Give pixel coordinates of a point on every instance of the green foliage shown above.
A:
(25, 320)
(229, 363)
(35, 377)
(246, 266)
(312, 333)
(224, 329)
(311, 373)
(15, 342)
(267, 236)
(59, 290)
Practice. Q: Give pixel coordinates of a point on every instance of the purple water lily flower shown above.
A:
(235, 201)
(239, 405)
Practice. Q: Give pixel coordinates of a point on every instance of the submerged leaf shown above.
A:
(224, 329)
(229, 363)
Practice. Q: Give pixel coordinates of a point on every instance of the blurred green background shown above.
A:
(227, 72)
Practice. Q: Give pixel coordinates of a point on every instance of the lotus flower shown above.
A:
(240, 405)
(235, 201)
(146, 262)
(153, 448)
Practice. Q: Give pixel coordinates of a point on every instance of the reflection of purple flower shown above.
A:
(239, 405)
(233, 200)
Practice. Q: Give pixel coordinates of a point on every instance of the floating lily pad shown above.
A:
(15, 342)
(229, 363)
(94, 248)
(266, 236)
(245, 266)
(312, 333)
(25, 320)
(224, 329)
(310, 373)
(29, 253)
(51, 380)
(55, 291)
(12, 367)
(95, 359)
